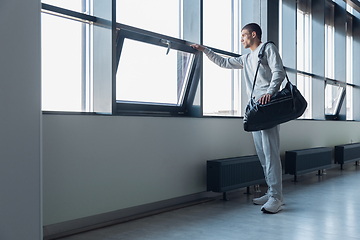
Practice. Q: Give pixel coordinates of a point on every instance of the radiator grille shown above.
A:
(347, 153)
(307, 160)
(232, 173)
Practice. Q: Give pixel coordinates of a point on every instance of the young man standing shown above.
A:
(270, 76)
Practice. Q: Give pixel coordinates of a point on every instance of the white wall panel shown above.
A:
(99, 164)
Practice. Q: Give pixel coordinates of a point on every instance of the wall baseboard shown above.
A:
(76, 226)
(72, 227)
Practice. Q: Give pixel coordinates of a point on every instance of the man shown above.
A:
(270, 76)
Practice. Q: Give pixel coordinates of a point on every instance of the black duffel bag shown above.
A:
(287, 104)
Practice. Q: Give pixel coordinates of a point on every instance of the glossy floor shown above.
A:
(325, 207)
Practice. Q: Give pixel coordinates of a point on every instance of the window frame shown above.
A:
(339, 102)
(66, 13)
(144, 108)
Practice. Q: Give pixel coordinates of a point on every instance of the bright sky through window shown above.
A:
(61, 63)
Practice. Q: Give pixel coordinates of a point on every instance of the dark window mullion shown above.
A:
(148, 108)
(70, 13)
(119, 45)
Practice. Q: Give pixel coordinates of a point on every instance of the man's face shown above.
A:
(246, 38)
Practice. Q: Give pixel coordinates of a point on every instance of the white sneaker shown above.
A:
(261, 200)
(273, 205)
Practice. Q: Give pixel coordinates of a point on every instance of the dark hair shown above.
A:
(253, 27)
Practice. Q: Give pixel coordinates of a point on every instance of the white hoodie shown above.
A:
(271, 72)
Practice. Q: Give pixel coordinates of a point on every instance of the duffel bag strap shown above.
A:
(260, 56)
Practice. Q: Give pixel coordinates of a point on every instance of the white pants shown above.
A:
(267, 144)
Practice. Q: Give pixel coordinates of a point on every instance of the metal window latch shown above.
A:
(168, 43)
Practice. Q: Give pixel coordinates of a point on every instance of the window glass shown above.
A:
(74, 5)
(160, 16)
(329, 52)
(304, 52)
(147, 74)
(303, 41)
(216, 15)
(221, 87)
(349, 103)
(349, 54)
(61, 63)
(333, 94)
(329, 42)
(349, 70)
(217, 89)
(349, 9)
(304, 86)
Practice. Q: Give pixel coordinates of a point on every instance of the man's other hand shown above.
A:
(265, 99)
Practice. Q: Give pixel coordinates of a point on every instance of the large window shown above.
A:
(76, 55)
(65, 56)
(136, 59)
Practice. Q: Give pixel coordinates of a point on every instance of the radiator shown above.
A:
(231, 173)
(307, 160)
(347, 153)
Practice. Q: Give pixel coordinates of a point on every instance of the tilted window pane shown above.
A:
(147, 74)
(160, 16)
(332, 98)
(61, 64)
